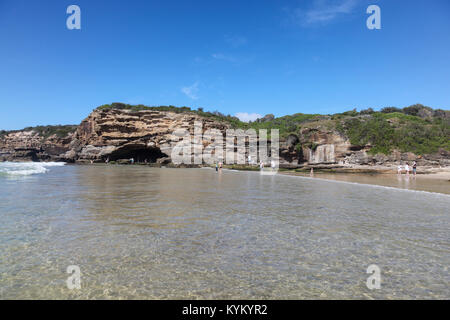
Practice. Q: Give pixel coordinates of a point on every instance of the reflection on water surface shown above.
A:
(139, 232)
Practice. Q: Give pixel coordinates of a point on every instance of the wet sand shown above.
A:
(434, 182)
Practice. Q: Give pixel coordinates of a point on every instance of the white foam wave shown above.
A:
(27, 168)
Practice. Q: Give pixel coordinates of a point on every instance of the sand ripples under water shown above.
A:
(138, 233)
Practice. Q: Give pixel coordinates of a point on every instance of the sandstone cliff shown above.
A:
(116, 134)
(322, 146)
(36, 144)
(147, 135)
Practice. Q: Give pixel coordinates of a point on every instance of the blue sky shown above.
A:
(264, 56)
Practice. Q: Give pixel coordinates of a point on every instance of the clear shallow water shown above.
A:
(138, 232)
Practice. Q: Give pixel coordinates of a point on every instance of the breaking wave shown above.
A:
(26, 168)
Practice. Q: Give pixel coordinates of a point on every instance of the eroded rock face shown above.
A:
(329, 147)
(321, 146)
(31, 146)
(145, 135)
(150, 136)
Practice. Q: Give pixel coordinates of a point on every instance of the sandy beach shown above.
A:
(429, 179)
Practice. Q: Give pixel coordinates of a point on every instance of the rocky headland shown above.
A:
(340, 142)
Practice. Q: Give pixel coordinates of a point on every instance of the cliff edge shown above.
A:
(146, 134)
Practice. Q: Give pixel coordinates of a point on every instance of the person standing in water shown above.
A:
(414, 168)
(407, 168)
(217, 167)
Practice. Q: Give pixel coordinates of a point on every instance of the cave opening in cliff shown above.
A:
(139, 154)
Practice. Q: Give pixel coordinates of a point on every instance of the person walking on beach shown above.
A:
(272, 165)
(414, 168)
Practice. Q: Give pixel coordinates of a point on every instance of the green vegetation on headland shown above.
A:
(234, 121)
(386, 132)
(60, 131)
(417, 128)
(286, 124)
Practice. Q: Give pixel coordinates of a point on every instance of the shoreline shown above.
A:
(436, 182)
(430, 179)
